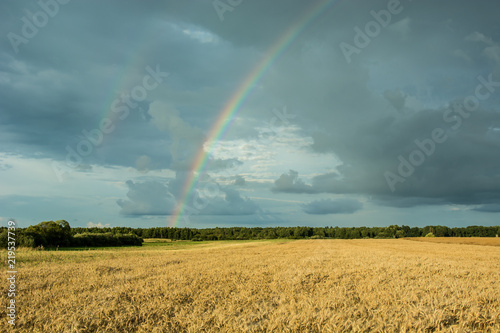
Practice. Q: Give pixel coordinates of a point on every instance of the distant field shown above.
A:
(361, 285)
(490, 241)
(157, 240)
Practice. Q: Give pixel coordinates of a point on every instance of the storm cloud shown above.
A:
(112, 106)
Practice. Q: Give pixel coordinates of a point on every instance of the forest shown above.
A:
(299, 232)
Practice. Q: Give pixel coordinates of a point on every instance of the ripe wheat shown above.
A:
(299, 286)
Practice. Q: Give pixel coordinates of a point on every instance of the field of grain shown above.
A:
(489, 241)
(362, 285)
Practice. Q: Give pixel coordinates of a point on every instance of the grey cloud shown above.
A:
(463, 169)
(407, 202)
(291, 183)
(368, 137)
(489, 208)
(168, 119)
(231, 204)
(55, 87)
(65, 79)
(333, 206)
(147, 198)
(396, 98)
(156, 197)
(187, 140)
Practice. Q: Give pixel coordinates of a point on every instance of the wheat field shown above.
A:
(489, 241)
(361, 285)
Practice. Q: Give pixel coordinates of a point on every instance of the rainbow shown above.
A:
(233, 105)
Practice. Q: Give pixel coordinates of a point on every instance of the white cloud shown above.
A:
(98, 225)
(200, 35)
(479, 37)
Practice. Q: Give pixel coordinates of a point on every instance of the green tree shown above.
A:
(50, 233)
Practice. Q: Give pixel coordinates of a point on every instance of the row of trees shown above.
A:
(235, 233)
(59, 233)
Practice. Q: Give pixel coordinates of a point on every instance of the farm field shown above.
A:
(489, 241)
(363, 285)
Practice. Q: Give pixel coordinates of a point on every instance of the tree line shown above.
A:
(300, 232)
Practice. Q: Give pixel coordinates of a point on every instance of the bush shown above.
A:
(430, 234)
(316, 237)
(106, 239)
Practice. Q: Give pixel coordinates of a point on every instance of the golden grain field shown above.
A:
(361, 285)
(490, 241)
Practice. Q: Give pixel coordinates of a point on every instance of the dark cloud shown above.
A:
(333, 206)
(358, 117)
(489, 208)
(462, 169)
(57, 85)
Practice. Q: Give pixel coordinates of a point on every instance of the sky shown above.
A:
(250, 113)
